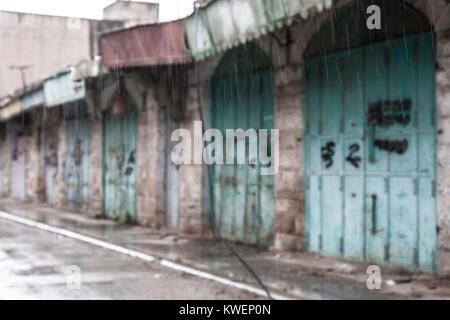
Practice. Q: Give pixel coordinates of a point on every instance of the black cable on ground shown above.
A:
(210, 171)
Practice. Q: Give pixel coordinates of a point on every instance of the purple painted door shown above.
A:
(18, 168)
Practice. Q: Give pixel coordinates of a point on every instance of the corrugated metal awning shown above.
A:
(62, 89)
(12, 109)
(223, 24)
(147, 45)
(33, 99)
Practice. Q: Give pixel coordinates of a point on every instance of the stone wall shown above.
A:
(443, 138)
(34, 174)
(44, 43)
(149, 199)
(96, 166)
(132, 12)
(192, 216)
(5, 161)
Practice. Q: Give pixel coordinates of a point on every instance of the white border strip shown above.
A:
(135, 254)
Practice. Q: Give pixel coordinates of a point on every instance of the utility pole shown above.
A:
(22, 69)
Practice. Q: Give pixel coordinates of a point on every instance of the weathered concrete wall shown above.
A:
(192, 220)
(96, 166)
(44, 43)
(132, 12)
(289, 195)
(443, 152)
(149, 201)
(34, 181)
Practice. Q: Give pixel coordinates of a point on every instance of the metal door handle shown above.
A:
(374, 213)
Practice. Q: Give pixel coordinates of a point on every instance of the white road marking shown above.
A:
(136, 254)
(224, 281)
(77, 236)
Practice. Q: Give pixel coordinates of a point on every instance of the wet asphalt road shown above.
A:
(35, 264)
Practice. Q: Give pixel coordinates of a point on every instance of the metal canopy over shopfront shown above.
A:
(10, 110)
(33, 99)
(222, 24)
(62, 89)
(147, 45)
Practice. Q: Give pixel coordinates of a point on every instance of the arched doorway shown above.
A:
(370, 140)
(120, 159)
(243, 98)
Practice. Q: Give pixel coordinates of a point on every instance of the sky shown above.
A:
(92, 9)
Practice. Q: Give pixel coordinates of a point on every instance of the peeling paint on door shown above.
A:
(119, 166)
(78, 160)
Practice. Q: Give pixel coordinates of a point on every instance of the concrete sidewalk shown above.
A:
(296, 275)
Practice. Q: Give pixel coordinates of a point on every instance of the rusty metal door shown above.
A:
(50, 139)
(18, 163)
(370, 153)
(119, 166)
(78, 163)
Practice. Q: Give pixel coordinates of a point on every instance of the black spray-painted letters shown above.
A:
(397, 146)
(352, 158)
(388, 113)
(328, 153)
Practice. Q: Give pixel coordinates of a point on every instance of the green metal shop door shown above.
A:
(78, 157)
(119, 166)
(243, 198)
(371, 153)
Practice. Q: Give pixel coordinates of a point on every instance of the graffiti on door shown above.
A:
(391, 146)
(120, 170)
(328, 153)
(353, 157)
(387, 113)
(385, 210)
(130, 163)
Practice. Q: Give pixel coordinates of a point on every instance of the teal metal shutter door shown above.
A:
(119, 165)
(370, 153)
(78, 163)
(244, 199)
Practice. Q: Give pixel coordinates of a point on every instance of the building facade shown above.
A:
(361, 118)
